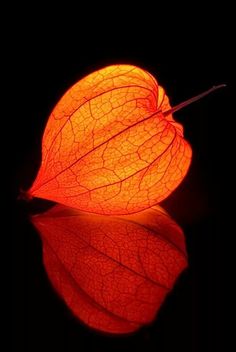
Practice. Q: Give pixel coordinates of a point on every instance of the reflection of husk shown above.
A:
(112, 272)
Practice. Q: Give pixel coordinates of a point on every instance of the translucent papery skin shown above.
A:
(113, 273)
(108, 148)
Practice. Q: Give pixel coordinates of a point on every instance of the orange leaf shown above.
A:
(111, 145)
(112, 272)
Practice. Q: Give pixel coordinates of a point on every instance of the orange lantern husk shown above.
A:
(111, 145)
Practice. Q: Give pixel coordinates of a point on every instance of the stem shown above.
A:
(192, 100)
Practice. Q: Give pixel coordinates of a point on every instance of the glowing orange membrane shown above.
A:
(111, 145)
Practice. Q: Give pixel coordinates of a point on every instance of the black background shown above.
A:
(44, 66)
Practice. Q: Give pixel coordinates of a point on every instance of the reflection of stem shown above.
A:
(24, 195)
(192, 100)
